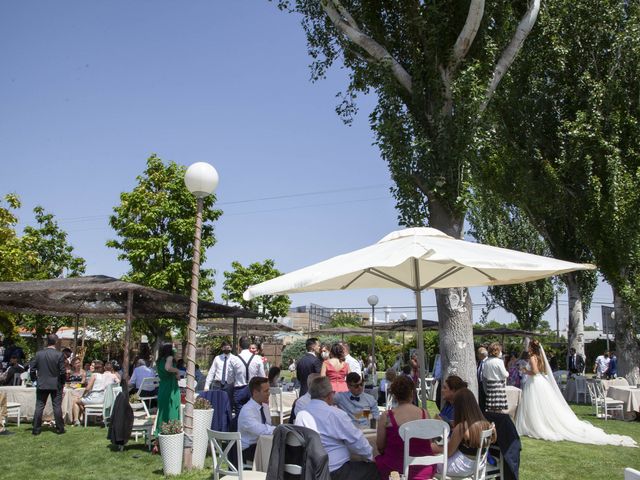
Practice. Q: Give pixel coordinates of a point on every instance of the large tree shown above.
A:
(155, 223)
(434, 67)
(237, 281)
(565, 149)
(495, 222)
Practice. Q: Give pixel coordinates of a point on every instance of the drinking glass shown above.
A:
(366, 412)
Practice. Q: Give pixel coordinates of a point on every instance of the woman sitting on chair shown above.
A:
(94, 394)
(450, 387)
(468, 424)
(390, 445)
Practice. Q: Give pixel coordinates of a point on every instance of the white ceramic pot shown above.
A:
(201, 422)
(171, 447)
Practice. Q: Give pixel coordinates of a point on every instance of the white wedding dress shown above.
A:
(543, 413)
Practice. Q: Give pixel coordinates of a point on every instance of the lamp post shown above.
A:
(201, 180)
(373, 301)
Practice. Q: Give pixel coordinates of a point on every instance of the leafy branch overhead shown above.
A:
(237, 281)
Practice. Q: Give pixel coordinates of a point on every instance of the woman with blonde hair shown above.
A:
(494, 377)
(468, 424)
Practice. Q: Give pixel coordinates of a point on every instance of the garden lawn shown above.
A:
(86, 454)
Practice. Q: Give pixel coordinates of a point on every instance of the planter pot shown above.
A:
(201, 422)
(171, 447)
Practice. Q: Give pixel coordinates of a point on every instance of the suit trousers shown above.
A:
(356, 471)
(56, 402)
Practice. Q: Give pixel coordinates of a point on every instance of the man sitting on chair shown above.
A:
(355, 401)
(340, 438)
(255, 418)
(301, 403)
(139, 374)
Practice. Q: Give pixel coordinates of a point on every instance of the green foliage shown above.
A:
(15, 254)
(241, 278)
(499, 224)
(386, 352)
(341, 318)
(155, 225)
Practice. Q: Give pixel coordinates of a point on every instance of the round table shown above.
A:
(68, 398)
(26, 397)
(630, 396)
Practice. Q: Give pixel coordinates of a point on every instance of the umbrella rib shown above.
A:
(386, 276)
(344, 287)
(442, 276)
(493, 279)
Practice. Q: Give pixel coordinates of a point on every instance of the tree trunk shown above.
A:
(575, 327)
(627, 347)
(455, 310)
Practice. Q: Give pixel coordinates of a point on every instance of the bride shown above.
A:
(543, 412)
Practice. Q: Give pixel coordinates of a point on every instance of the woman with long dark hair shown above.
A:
(168, 391)
(468, 424)
(450, 387)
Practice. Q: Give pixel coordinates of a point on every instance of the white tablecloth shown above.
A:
(616, 382)
(575, 383)
(513, 399)
(265, 442)
(26, 397)
(68, 398)
(629, 395)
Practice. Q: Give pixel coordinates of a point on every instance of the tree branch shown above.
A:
(345, 23)
(508, 56)
(468, 33)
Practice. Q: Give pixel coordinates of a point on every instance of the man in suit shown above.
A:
(49, 365)
(309, 363)
(575, 362)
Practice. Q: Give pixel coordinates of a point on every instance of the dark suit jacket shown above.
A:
(312, 457)
(49, 363)
(306, 365)
(579, 364)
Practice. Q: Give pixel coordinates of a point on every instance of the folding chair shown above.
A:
(275, 396)
(609, 404)
(631, 474)
(221, 462)
(292, 468)
(149, 384)
(13, 410)
(426, 430)
(481, 456)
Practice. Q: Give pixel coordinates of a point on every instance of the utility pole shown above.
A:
(557, 318)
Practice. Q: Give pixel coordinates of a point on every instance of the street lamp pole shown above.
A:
(201, 179)
(373, 301)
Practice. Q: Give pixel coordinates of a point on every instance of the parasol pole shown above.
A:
(418, 292)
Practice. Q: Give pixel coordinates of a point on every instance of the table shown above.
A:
(616, 382)
(513, 399)
(26, 397)
(287, 403)
(68, 399)
(630, 396)
(575, 384)
(265, 442)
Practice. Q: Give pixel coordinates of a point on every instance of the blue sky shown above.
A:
(88, 90)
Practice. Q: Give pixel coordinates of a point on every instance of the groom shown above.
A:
(575, 362)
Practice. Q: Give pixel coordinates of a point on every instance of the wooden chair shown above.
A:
(221, 462)
(427, 429)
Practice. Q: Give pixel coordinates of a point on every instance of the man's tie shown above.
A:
(357, 399)
(262, 415)
(224, 370)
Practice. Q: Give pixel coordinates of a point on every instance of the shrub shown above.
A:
(171, 427)
(202, 404)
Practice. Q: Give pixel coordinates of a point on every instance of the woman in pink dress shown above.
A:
(336, 368)
(390, 445)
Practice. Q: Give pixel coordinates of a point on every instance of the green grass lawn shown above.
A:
(86, 454)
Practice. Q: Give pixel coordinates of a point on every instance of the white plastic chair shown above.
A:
(149, 384)
(427, 429)
(581, 388)
(13, 410)
(275, 395)
(481, 456)
(631, 474)
(221, 462)
(291, 468)
(609, 404)
(103, 409)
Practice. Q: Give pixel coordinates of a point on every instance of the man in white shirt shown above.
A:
(222, 371)
(354, 365)
(139, 374)
(247, 366)
(602, 365)
(355, 401)
(302, 402)
(340, 438)
(255, 419)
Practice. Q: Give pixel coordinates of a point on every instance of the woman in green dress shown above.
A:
(168, 391)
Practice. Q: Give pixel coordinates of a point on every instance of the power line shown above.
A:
(238, 202)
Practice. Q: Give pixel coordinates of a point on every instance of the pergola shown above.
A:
(104, 297)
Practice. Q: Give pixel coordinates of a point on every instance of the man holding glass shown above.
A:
(360, 406)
